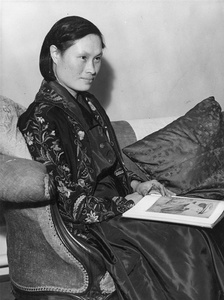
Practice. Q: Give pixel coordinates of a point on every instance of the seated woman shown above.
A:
(67, 130)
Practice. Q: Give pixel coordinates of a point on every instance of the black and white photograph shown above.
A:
(111, 149)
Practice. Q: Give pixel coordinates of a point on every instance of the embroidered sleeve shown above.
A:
(70, 166)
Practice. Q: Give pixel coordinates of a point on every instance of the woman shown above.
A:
(67, 130)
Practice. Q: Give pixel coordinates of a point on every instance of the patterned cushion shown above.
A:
(187, 155)
(12, 141)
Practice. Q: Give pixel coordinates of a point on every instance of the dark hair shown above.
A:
(63, 34)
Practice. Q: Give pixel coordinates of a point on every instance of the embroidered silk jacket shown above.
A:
(57, 132)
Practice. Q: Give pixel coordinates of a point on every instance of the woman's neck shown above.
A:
(72, 92)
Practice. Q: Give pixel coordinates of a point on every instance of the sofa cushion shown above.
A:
(187, 155)
(12, 141)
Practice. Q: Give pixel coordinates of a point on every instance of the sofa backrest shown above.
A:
(126, 136)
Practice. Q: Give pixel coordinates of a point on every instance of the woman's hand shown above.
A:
(134, 196)
(150, 187)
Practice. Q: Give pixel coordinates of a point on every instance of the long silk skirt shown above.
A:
(162, 261)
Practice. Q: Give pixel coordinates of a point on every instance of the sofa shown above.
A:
(13, 148)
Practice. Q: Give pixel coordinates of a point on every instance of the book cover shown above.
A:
(175, 209)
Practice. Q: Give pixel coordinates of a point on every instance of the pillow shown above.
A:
(23, 180)
(12, 141)
(187, 155)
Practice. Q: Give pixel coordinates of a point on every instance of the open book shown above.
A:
(175, 209)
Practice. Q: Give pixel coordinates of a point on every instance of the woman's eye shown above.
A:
(98, 58)
(83, 57)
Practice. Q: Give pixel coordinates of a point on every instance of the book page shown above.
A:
(176, 209)
(189, 207)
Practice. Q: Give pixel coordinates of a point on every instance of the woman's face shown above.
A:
(78, 66)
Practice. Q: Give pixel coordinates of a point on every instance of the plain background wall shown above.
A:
(162, 57)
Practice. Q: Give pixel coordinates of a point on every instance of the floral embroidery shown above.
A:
(81, 135)
(63, 189)
(81, 182)
(65, 168)
(77, 204)
(49, 94)
(29, 138)
(123, 204)
(107, 284)
(55, 145)
(40, 119)
(92, 217)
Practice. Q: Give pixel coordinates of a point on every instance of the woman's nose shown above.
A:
(91, 68)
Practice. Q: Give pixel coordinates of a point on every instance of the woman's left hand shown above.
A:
(152, 187)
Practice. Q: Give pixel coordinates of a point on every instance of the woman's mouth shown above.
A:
(89, 80)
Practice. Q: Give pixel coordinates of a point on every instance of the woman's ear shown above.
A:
(54, 53)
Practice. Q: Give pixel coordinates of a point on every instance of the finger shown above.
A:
(147, 191)
(169, 193)
(158, 187)
(162, 189)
